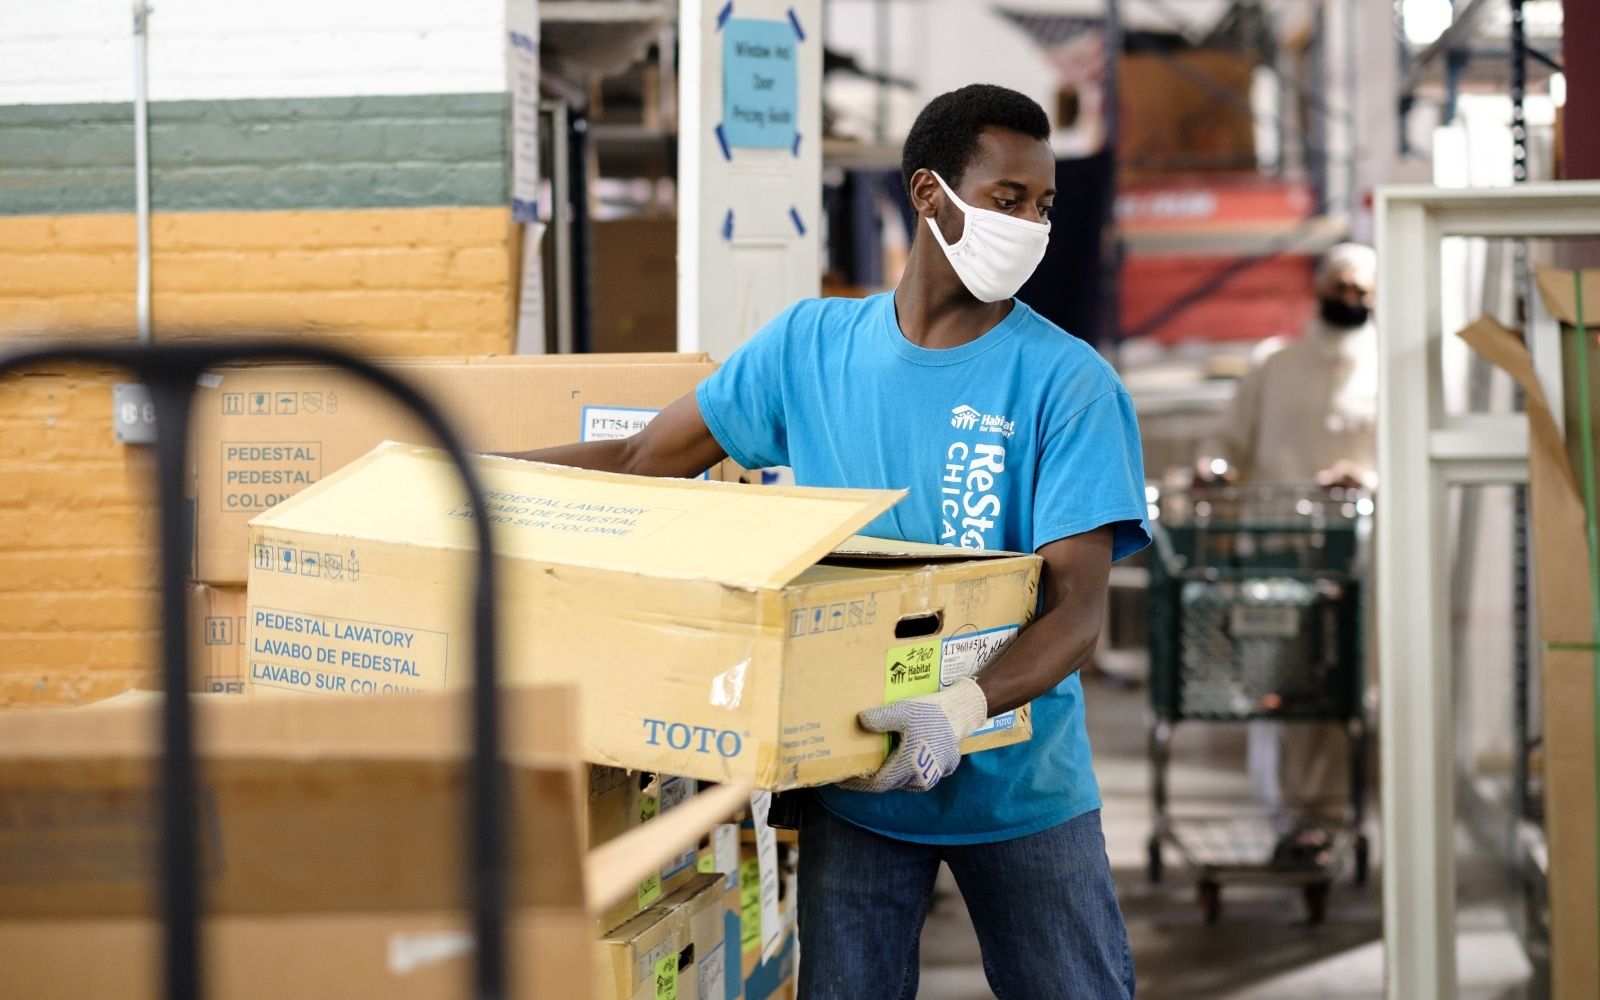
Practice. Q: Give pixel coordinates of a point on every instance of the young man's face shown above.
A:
(1012, 174)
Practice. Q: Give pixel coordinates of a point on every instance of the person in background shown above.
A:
(1009, 434)
(1306, 414)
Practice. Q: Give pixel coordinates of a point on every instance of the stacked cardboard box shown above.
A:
(706, 643)
(217, 639)
(675, 948)
(262, 433)
(331, 849)
(621, 800)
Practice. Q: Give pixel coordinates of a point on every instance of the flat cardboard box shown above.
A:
(706, 636)
(621, 800)
(261, 433)
(216, 621)
(331, 847)
(1568, 668)
(673, 949)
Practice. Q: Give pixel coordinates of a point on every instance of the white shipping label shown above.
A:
(713, 973)
(965, 655)
(767, 858)
(674, 792)
(612, 423)
(725, 852)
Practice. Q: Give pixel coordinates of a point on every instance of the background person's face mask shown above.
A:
(996, 252)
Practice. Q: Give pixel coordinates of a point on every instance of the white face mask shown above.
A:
(996, 252)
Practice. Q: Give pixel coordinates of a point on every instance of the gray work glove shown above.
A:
(931, 728)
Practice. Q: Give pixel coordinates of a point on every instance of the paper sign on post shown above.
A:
(760, 85)
(767, 860)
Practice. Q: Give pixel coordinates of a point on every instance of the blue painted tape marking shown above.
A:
(727, 226)
(794, 214)
(723, 14)
(794, 19)
(722, 140)
(796, 147)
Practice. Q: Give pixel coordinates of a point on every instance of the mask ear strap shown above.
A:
(965, 220)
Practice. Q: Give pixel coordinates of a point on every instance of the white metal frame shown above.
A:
(1421, 453)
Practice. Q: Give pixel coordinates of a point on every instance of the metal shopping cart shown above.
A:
(1256, 612)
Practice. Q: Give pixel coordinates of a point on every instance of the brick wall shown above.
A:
(77, 604)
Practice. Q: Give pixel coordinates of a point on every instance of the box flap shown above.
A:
(866, 547)
(748, 537)
(1560, 294)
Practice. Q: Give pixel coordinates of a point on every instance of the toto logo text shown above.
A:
(700, 739)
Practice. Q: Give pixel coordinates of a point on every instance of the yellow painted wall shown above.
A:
(77, 605)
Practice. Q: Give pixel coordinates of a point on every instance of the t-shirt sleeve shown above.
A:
(742, 402)
(1091, 473)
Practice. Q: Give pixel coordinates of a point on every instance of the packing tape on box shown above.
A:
(727, 688)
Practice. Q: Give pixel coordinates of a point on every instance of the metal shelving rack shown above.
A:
(1422, 453)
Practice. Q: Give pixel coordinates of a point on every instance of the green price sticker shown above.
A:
(667, 978)
(909, 671)
(749, 905)
(649, 891)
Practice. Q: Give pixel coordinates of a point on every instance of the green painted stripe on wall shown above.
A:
(338, 152)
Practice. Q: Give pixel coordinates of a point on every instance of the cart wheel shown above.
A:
(1210, 901)
(1154, 867)
(1317, 902)
(1363, 857)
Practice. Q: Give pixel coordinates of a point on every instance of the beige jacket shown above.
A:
(1305, 409)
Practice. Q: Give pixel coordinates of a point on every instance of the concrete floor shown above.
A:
(1261, 948)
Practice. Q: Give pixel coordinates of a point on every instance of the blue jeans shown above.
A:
(1043, 906)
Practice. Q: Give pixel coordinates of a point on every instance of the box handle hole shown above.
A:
(917, 626)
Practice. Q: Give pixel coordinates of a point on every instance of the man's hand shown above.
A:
(931, 728)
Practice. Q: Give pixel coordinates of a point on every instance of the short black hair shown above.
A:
(944, 137)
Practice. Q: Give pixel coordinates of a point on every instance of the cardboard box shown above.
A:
(621, 800)
(636, 284)
(262, 433)
(707, 638)
(1569, 668)
(216, 620)
(673, 949)
(331, 843)
(1170, 122)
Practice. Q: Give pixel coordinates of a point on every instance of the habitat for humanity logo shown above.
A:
(965, 418)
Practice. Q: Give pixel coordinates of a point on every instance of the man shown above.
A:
(1009, 434)
(1305, 415)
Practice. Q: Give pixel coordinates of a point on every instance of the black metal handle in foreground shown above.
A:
(170, 371)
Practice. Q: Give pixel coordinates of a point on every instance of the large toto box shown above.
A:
(708, 633)
(262, 433)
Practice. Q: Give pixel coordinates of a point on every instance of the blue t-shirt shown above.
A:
(1017, 439)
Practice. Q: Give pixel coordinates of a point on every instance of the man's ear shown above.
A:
(926, 196)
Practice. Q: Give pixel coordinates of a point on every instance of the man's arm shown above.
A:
(1062, 639)
(676, 444)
